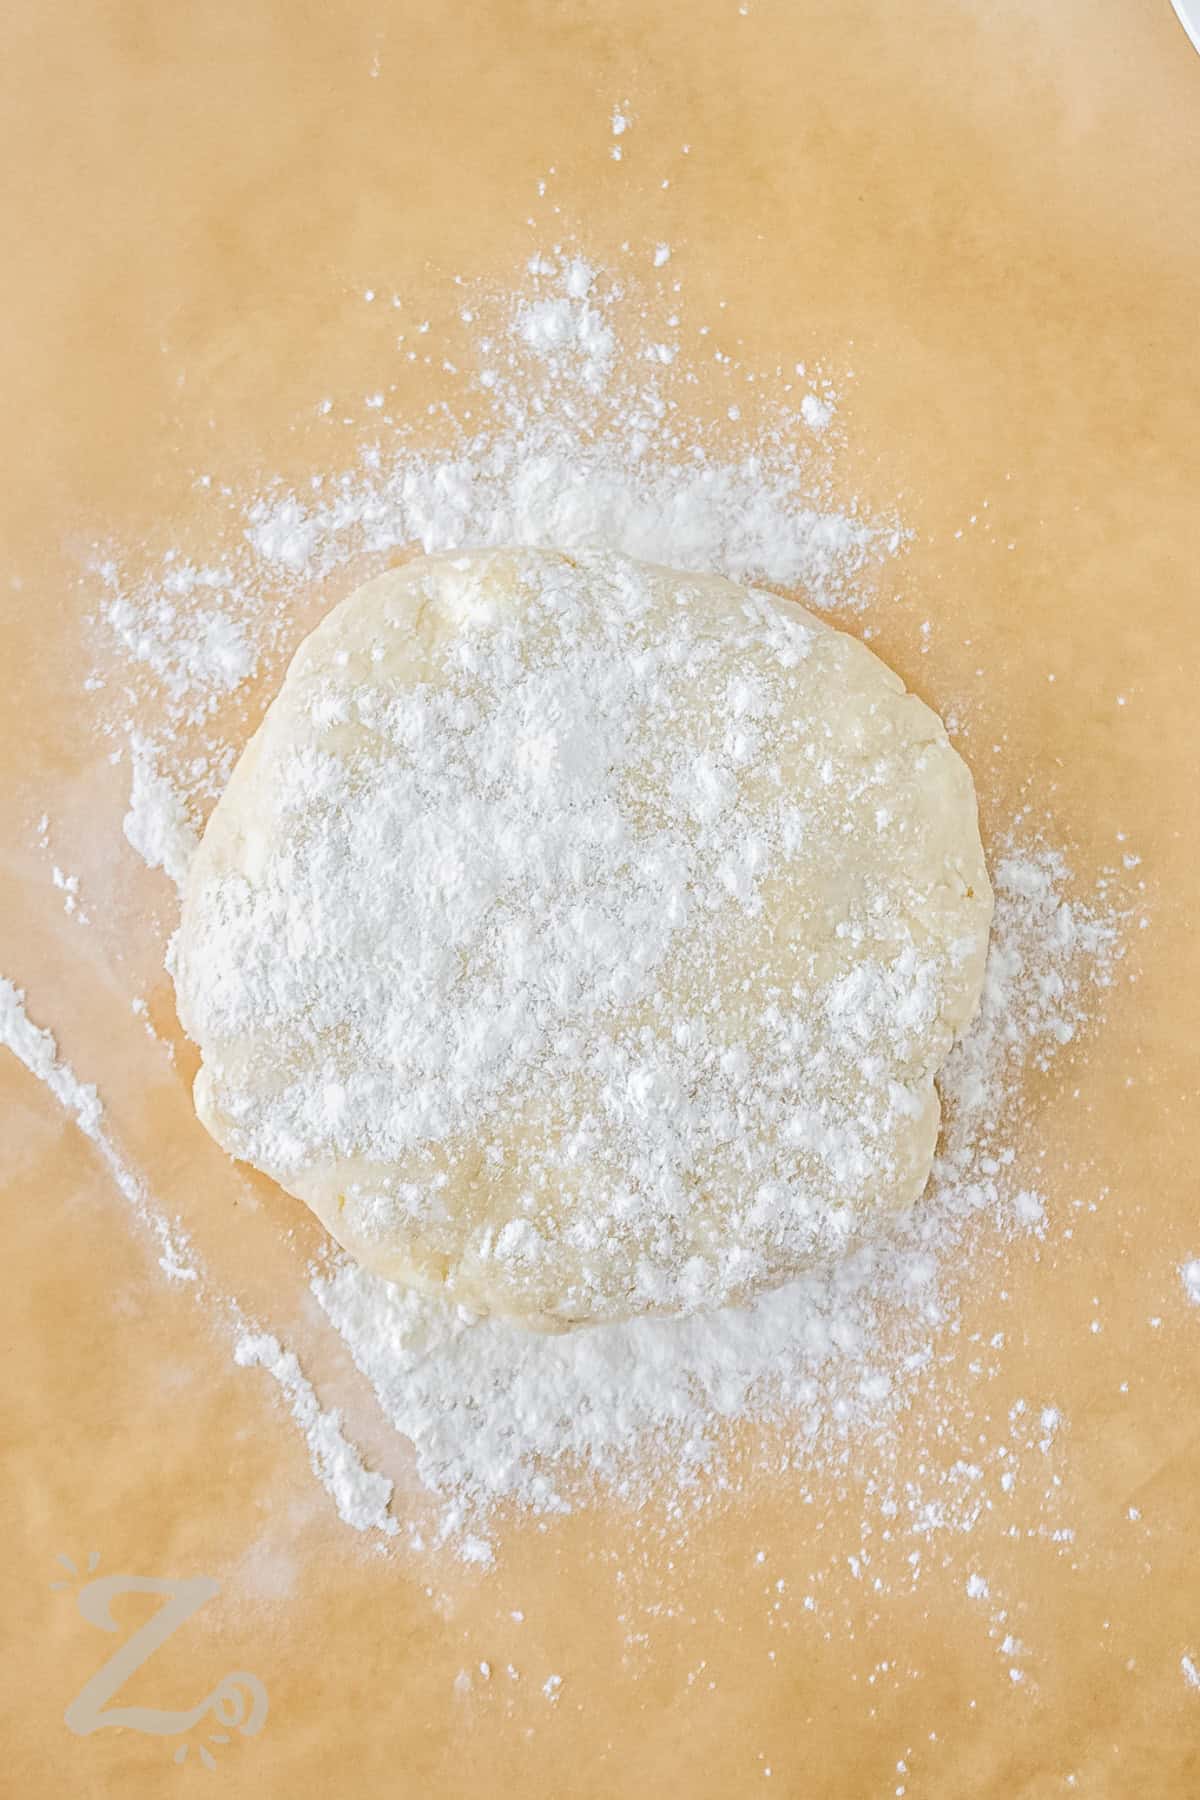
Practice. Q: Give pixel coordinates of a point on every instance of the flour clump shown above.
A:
(581, 939)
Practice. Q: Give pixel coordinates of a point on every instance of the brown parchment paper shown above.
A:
(993, 215)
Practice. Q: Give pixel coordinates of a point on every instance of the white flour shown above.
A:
(37, 1049)
(194, 648)
(497, 1414)
(567, 434)
(361, 1498)
(570, 422)
(566, 431)
(157, 823)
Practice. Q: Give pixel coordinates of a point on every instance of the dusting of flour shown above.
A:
(361, 1497)
(498, 1415)
(572, 429)
(37, 1049)
(569, 422)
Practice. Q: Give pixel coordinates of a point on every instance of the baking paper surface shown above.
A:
(993, 216)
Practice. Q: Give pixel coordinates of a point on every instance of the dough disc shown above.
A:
(581, 938)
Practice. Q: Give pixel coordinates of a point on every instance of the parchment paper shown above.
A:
(993, 215)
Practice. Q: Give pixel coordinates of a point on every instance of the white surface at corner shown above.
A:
(1188, 14)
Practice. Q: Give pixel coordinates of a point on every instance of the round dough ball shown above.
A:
(581, 938)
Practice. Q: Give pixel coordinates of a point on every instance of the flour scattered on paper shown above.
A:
(361, 1497)
(496, 1414)
(570, 423)
(574, 431)
(157, 823)
(38, 1050)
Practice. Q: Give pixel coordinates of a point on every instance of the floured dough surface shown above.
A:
(580, 938)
